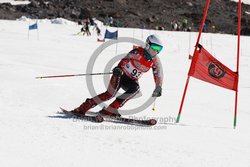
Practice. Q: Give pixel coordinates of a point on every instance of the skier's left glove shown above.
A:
(157, 91)
(117, 71)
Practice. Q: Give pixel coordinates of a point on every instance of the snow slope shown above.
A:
(34, 133)
(244, 1)
(13, 2)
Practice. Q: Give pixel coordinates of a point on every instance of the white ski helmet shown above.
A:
(154, 42)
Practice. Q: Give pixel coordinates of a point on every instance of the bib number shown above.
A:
(133, 71)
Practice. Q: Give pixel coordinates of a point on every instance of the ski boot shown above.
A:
(84, 107)
(111, 110)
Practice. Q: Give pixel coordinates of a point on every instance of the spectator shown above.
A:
(85, 28)
(213, 29)
(111, 21)
(184, 24)
(178, 26)
(174, 25)
(204, 27)
(98, 30)
(91, 22)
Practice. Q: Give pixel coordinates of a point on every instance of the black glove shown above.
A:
(117, 71)
(157, 91)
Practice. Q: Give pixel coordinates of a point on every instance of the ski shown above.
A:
(93, 118)
(147, 122)
(132, 121)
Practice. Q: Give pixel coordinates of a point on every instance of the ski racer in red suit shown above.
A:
(126, 75)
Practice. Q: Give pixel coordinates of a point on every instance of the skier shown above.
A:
(126, 75)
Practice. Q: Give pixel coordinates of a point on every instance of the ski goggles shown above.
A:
(156, 47)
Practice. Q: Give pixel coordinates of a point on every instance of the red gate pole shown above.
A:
(238, 57)
(198, 39)
(182, 100)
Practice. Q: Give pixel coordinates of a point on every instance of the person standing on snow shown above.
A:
(85, 29)
(126, 75)
(98, 31)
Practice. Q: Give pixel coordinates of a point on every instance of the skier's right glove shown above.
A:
(117, 71)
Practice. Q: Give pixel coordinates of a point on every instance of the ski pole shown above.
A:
(73, 75)
(153, 108)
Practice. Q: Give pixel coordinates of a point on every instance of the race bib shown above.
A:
(135, 73)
